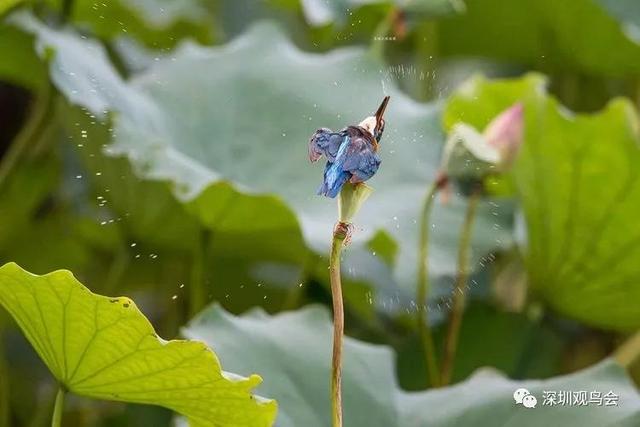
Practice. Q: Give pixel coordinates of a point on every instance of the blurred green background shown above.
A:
(157, 149)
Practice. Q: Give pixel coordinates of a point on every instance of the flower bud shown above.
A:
(352, 196)
(469, 154)
(505, 133)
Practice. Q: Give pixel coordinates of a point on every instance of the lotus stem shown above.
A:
(5, 404)
(66, 11)
(459, 292)
(627, 354)
(30, 132)
(422, 290)
(340, 233)
(198, 289)
(56, 420)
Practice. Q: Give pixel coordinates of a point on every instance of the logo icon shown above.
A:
(529, 401)
(519, 394)
(524, 398)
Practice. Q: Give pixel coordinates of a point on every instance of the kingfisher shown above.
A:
(352, 153)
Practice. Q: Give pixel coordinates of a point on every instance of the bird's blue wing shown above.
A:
(326, 143)
(360, 159)
(334, 174)
(334, 179)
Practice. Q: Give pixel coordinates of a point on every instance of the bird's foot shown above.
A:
(344, 231)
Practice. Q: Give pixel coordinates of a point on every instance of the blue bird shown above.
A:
(351, 153)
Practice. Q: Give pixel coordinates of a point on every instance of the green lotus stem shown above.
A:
(197, 295)
(459, 294)
(422, 290)
(428, 49)
(629, 352)
(5, 404)
(56, 420)
(352, 196)
(29, 133)
(66, 11)
(339, 235)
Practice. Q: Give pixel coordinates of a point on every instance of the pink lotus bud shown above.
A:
(505, 134)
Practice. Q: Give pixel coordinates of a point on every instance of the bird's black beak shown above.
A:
(380, 113)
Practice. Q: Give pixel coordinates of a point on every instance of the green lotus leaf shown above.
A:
(517, 345)
(628, 13)
(158, 23)
(6, 5)
(105, 348)
(24, 68)
(549, 35)
(235, 236)
(293, 349)
(577, 179)
(22, 193)
(242, 114)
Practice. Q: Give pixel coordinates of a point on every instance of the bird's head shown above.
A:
(375, 124)
(369, 124)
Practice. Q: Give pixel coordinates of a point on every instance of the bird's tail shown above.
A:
(331, 188)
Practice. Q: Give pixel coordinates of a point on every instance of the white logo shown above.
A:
(529, 401)
(526, 399)
(519, 394)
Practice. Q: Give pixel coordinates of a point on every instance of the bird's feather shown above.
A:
(334, 174)
(334, 179)
(360, 158)
(325, 142)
